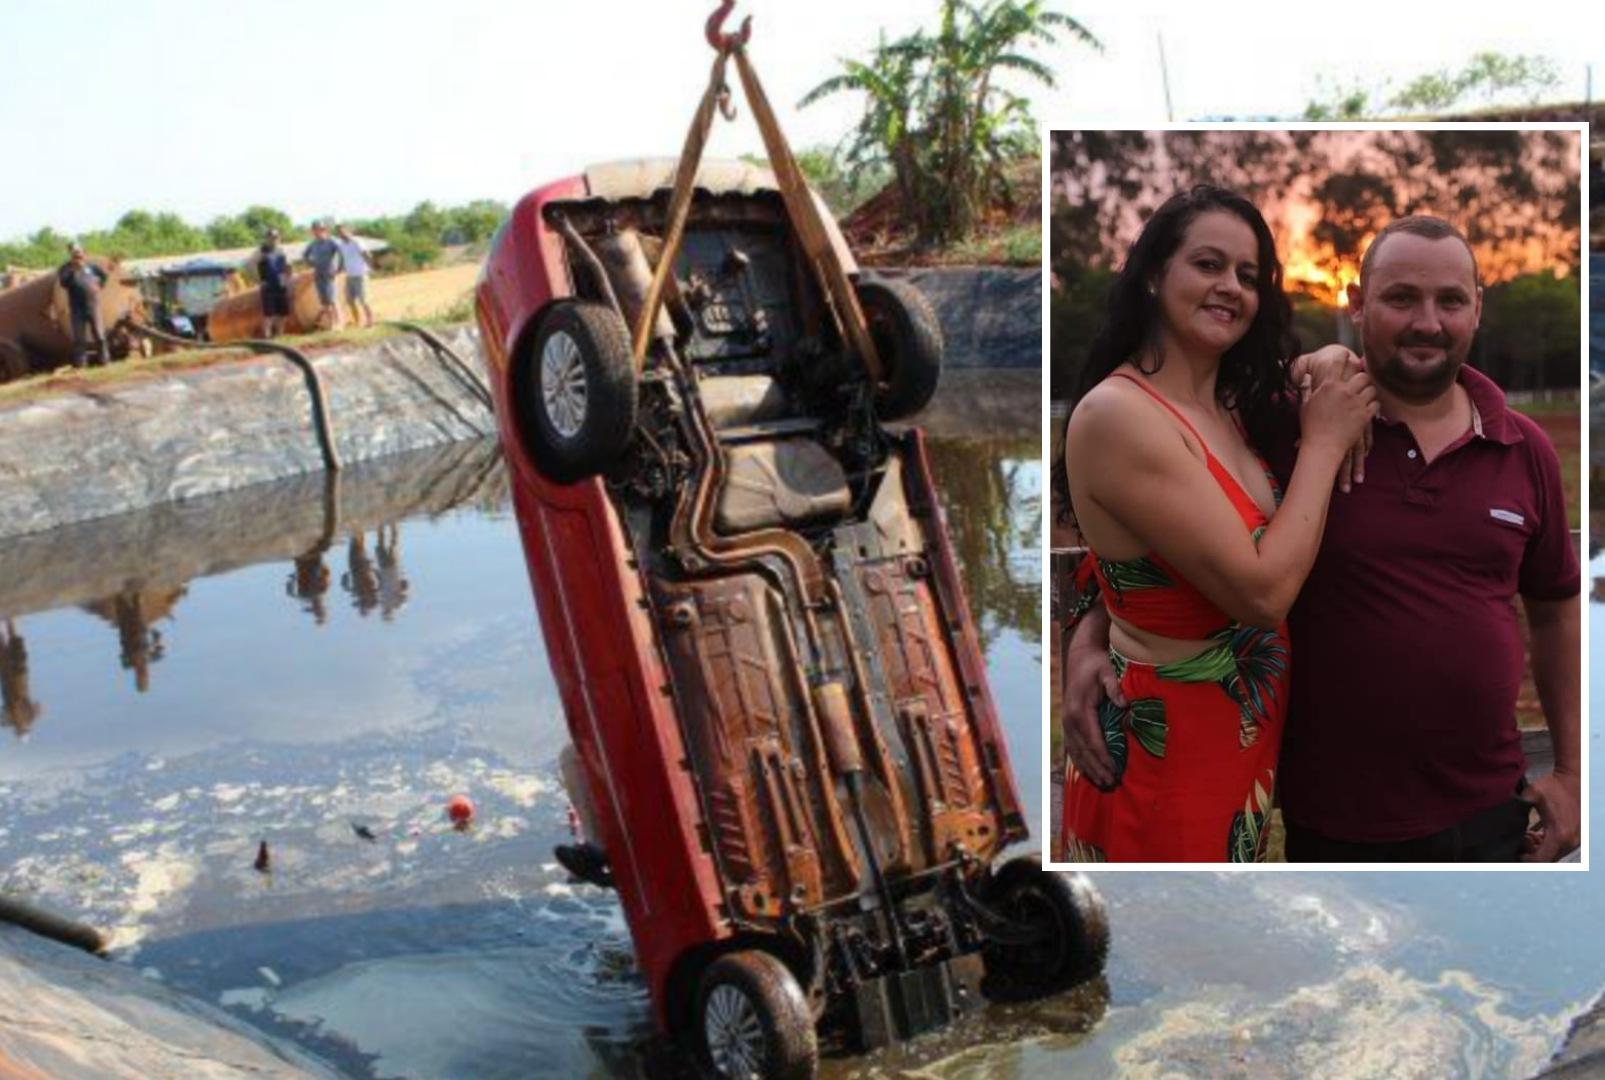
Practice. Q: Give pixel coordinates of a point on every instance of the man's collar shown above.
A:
(1490, 415)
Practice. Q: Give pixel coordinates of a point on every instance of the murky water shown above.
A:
(196, 681)
(294, 661)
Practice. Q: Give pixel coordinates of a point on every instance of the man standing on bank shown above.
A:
(1401, 744)
(323, 255)
(355, 261)
(83, 281)
(273, 271)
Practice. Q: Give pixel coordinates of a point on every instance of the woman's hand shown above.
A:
(1326, 363)
(1337, 413)
(1322, 365)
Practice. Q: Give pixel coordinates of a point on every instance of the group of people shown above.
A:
(1302, 570)
(328, 257)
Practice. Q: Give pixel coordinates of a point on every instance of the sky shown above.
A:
(358, 108)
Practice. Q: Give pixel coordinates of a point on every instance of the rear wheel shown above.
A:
(1070, 921)
(752, 1020)
(908, 339)
(579, 390)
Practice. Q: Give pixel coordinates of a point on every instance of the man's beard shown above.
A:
(1414, 381)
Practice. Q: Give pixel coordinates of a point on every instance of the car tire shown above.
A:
(579, 390)
(1071, 914)
(752, 1019)
(908, 339)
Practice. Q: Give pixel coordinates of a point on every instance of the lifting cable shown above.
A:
(801, 206)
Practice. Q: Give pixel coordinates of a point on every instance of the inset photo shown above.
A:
(1315, 500)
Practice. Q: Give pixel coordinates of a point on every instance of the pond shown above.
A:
(293, 661)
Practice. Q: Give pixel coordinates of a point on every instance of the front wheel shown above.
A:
(908, 340)
(1069, 924)
(752, 1020)
(579, 390)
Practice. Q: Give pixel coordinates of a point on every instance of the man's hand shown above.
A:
(1311, 370)
(1558, 798)
(1555, 631)
(1088, 678)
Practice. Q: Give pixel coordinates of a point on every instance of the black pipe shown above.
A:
(452, 362)
(320, 401)
(53, 926)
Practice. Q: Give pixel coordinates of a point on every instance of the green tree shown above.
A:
(843, 190)
(937, 115)
(885, 134)
(230, 232)
(1530, 336)
(473, 223)
(1338, 102)
(1490, 75)
(425, 220)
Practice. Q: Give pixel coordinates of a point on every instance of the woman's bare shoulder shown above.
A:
(1116, 412)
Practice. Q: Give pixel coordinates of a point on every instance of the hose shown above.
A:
(320, 401)
(53, 926)
(453, 362)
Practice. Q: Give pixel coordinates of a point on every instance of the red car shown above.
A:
(785, 747)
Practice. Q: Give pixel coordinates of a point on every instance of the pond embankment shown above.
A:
(72, 1016)
(95, 452)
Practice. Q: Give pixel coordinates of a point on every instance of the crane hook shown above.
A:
(721, 41)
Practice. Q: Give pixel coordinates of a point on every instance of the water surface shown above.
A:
(197, 680)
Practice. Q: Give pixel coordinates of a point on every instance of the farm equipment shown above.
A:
(239, 317)
(785, 752)
(179, 299)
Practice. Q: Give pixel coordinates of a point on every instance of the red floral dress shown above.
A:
(1195, 748)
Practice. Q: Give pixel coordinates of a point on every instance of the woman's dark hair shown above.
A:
(1253, 372)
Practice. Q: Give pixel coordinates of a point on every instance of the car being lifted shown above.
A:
(785, 747)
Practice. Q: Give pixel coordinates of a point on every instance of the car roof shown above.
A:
(641, 177)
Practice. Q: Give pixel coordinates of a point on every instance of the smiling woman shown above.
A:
(1196, 564)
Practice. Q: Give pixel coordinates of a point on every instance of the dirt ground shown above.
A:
(1011, 235)
(425, 295)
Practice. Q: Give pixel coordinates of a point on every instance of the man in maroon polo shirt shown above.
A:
(1401, 743)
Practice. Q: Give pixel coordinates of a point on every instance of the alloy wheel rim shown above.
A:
(563, 387)
(734, 1033)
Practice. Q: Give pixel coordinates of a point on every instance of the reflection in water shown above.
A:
(360, 578)
(992, 491)
(393, 583)
(132, 611)
(20, 709)
(376, 581)
(309, 581)
(154, 555)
